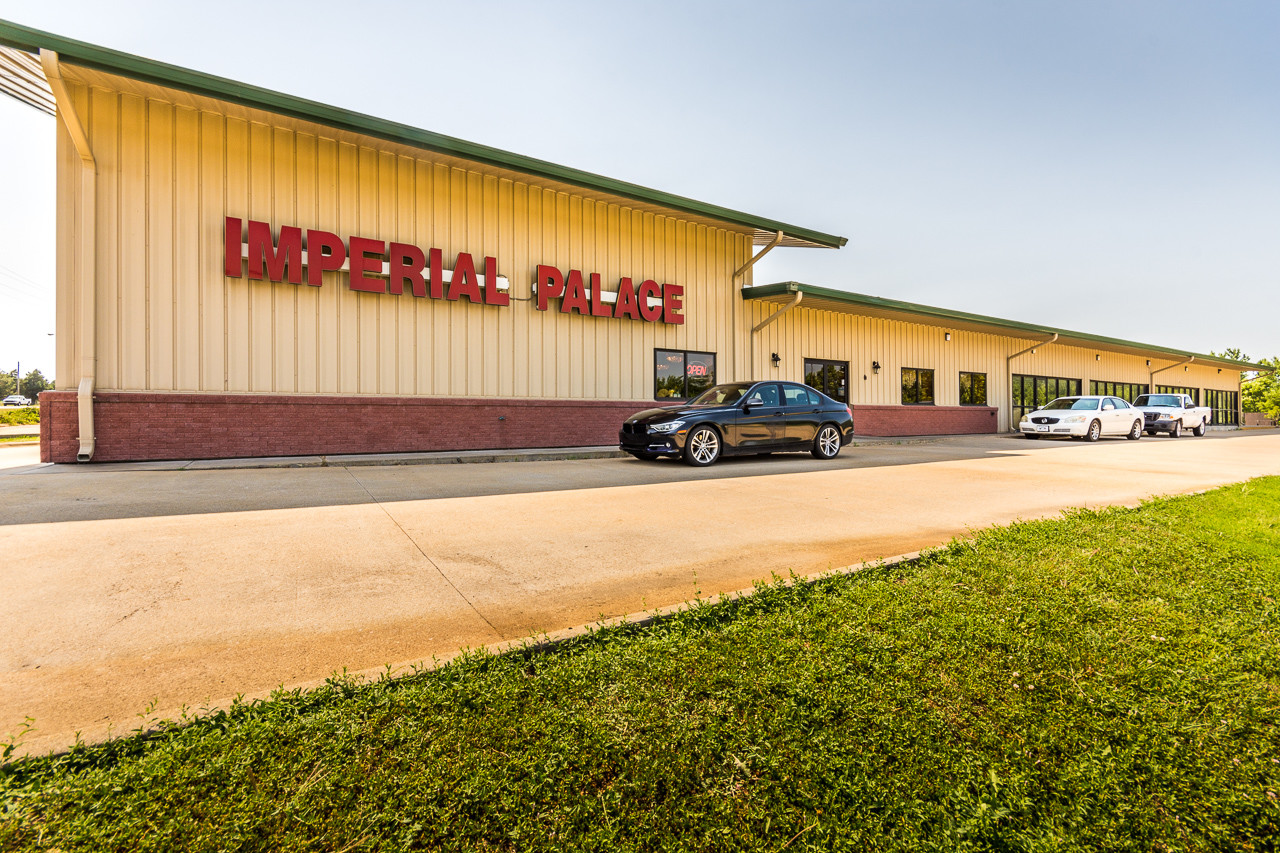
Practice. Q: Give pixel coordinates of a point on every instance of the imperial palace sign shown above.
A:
(375, 266)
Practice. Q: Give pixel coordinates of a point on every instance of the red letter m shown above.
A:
(288, 253)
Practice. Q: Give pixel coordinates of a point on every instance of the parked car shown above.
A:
(1172, 413)
(740, 418)
(1089, 417)
(17, 400)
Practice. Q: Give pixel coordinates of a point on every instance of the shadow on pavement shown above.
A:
(47, 495)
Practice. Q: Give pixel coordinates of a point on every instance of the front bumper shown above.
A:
(1059, 429)
(656, 444)
(1159, 426)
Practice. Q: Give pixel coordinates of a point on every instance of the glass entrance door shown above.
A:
(829, 377)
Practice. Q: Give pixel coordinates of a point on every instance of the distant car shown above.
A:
(740, 418)
(1172, 413)
(1088, 417)
(17, 400)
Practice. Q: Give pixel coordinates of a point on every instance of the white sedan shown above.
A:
(1088, 417)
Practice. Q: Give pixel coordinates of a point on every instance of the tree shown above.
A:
(33, 383)
(8, 383)
(1262, 392)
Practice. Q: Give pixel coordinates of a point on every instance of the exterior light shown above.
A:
(1219, 369)
(875, 367)
(1185, 369)
(948, 336)
(1148, 362)
(1097, 357)
(776, 359)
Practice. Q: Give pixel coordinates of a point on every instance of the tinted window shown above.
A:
(679, 374)
(764, 395)
(720, 395)
(917, 386)
(796, 396)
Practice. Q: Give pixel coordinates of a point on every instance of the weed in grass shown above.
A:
(1108, 680)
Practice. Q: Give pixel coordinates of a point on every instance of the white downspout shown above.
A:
(1151, 375)
(758, 255)
(1008, 370)
(795, 300)
(86, 252)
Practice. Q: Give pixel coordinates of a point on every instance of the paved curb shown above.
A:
(450, 457)
(529, 645)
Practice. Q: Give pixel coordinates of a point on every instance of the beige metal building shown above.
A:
(244, 273)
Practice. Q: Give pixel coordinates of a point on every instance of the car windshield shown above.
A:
(720, 395)
(1072, 403)
(1157, 400)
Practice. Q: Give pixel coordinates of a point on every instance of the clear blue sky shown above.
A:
(1111, 167)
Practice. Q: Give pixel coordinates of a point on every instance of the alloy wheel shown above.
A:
(704, 447)
(827, 445)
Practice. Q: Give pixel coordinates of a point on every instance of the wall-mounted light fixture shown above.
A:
(1097, 356)
(1219, 369)
(948, 336)
(776, 360)
(875, 367)
(1033, 352)
(1148, 362)
(1185, 369)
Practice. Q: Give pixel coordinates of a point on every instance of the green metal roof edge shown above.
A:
(196, 82)
(766, 290)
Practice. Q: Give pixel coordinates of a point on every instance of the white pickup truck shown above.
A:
(1172, 413)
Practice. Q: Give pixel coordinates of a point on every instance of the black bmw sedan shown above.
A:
(740, 418)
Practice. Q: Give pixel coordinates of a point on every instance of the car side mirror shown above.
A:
(1108, 407)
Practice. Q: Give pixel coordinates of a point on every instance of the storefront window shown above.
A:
(1031, 392)
(829, 377)
(973, 389)
(681, 374)
(1225, 405)
(1193, 393)
(917, 386)
(1126, 390)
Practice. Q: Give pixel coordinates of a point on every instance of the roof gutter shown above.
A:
(84, 255)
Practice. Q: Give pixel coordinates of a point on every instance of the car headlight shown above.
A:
(667, 428)
(1075, 419)
(1025, 419)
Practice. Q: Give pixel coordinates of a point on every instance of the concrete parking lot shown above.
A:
(130, 585)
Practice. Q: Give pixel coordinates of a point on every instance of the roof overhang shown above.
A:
(845, 302)
(27, 42)
(22, 78)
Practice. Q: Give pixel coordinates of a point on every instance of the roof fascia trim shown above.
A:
(862, 300)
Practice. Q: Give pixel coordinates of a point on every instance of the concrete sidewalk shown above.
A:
(187, 587)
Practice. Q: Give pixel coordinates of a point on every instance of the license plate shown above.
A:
(1042, 429)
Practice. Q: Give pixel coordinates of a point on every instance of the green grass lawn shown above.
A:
(1106, 681)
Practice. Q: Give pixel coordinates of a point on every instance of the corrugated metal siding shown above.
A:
(808, 333)
(169, 320)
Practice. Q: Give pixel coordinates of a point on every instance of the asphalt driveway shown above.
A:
(125, 586)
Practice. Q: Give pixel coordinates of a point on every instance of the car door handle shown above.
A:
(777, 414)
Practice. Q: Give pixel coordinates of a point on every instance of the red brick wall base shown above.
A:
(141, 426)
(923, 420)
